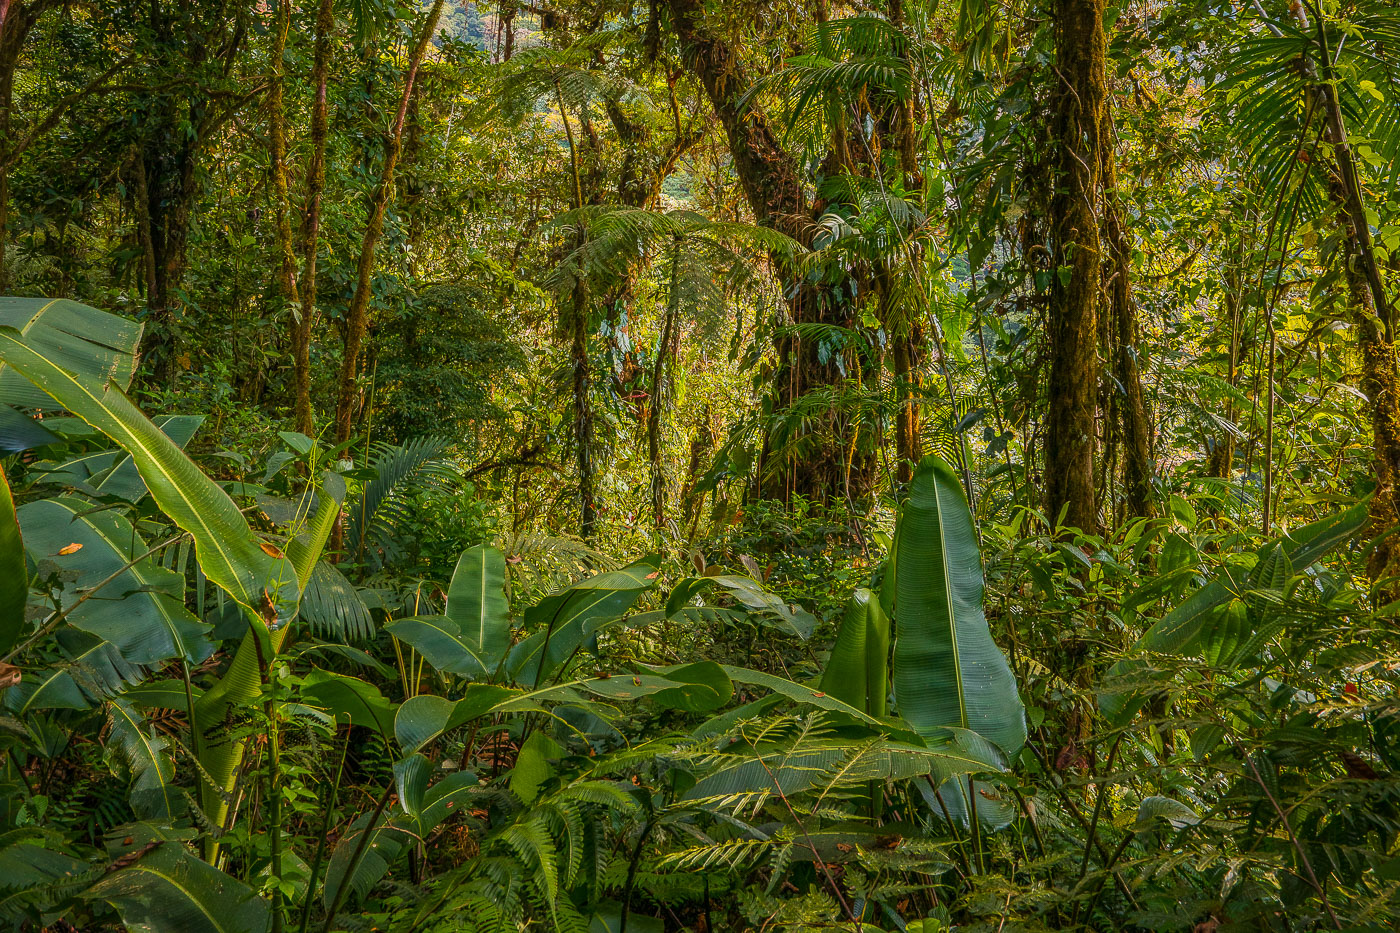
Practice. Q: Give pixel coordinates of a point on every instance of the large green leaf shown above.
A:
(425, 717)
(472, 638)
(349, 699)
(113, 472)
(476, 602)
(153, 795)
(94, 671)
(168, 890)
(695, 687)
(76, 337)
(562, 621)
(441, 642)
(228, 552)
(759, 603)
(140, 608)
(947, 669)
(14, 582)
(858, 670)
(819, 764)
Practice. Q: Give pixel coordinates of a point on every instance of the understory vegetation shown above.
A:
(699, 465)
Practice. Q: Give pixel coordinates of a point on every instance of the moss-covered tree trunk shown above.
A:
(357, 315)
(1076, 134)
(1133, 427)
(820, 456)
(311, 221)
(277, 145)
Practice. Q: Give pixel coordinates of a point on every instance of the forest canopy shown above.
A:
(699, 465)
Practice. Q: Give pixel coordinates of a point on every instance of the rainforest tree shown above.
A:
(699, 465)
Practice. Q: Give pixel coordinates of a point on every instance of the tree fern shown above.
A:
(373, 515)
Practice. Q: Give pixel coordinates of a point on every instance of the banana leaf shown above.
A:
(229, 553)
(76, 337)
(858, 670)
(948, 672)
(113, 472)
(146, 752)
(140, 608)
(564, 621)
(14, 581)
(472, 636)
(168, 890)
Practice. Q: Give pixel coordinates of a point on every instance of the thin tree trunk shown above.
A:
(577, 330)
(661, 394)
(357, 316)
(1076, 285)
(904, 351)
(583, 410)
(141, 199)
(1221, 462)
(1134, 428)
(1373, 319)
(311, 228)
(277, 140)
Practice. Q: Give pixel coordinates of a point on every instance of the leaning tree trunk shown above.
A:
(1373, 317)
(831, 465)
(1076, 134)
(357, 315)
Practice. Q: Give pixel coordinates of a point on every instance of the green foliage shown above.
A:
(732, 277)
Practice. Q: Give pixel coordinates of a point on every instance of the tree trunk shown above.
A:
(583, 410)
(141, 200)
(1134, 427)
(1379, 385)
(311, 226)
(1076, 133)
(169, 168)
(828, 465)
(16, 20)
(277, 144)
(1221, 462)
(357, 316)
(898, 131)
(175, 133)
(905, 349)
(277, 141)
(661, 394)
(1372, 316)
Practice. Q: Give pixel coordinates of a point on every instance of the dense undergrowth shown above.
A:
(699, 466)
(804, 724)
